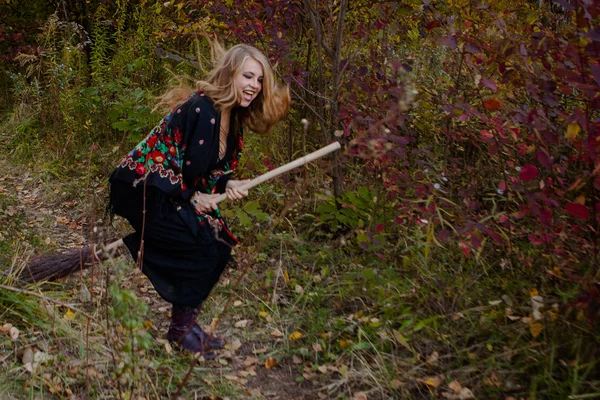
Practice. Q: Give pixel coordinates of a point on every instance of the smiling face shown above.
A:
(248, 81)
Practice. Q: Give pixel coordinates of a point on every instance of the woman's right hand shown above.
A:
(204, 202)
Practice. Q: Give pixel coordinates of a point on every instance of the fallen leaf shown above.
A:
(14, 333)
(433, 381)
(260, 351)
(317, 347)
(27, 357)
(270, 363)
(249, 361)
(433, 358)
(360, 396)
(454, 385)
(322, 369)
(213, 324)
(263, 314)
(296, 360)
(234, 345)
(276, 333)
(295, 335)
(535, 329)
(237, 303)
(241, 324)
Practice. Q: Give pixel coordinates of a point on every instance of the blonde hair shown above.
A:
(269, 106)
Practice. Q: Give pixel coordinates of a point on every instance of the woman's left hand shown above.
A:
(233, 190)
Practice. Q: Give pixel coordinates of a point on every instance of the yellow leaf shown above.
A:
(270, 363)
(263, 314)
(69, 315)
(580, 200)
(535, 329)
(214, 324)
(295, 336)
(534, 292)
(345, 343)
(148, 324)
(433, 381)
(286, 277)
(572, 131)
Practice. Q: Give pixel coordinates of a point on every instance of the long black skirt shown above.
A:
(182, 258)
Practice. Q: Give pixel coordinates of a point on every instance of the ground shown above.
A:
(255, 363)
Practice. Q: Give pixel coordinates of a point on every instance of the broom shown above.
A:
(58, 266)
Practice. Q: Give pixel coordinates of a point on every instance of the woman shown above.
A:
(174, 174)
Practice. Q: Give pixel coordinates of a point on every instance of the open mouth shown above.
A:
(248, 94)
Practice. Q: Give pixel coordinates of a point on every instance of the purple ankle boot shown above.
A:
(183, 332)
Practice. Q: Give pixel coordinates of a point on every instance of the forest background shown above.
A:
(450, 251)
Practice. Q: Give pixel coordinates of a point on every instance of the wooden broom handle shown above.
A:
(285, 168)
(256, 181)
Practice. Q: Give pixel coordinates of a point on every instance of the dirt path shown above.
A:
(254, 364)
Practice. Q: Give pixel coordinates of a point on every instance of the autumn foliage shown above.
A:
(471, 138)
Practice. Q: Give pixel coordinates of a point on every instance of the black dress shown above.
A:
(184, 252)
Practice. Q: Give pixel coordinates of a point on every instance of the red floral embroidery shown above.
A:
(157, 157)
(140, 169)
(152, 141)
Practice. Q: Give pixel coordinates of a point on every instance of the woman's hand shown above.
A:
(204, 202)
(233, 190)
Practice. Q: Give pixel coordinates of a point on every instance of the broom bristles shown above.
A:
(60, 265)
(57, 266)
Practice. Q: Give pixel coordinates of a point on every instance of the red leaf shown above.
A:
(379, 228)
(595, 68)
(535, 240)
(543, 158)
(578, 210)
(488, 83)
(491, 104)
(432, 24)
(464, 248)
(528, 172)
(502, 186)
